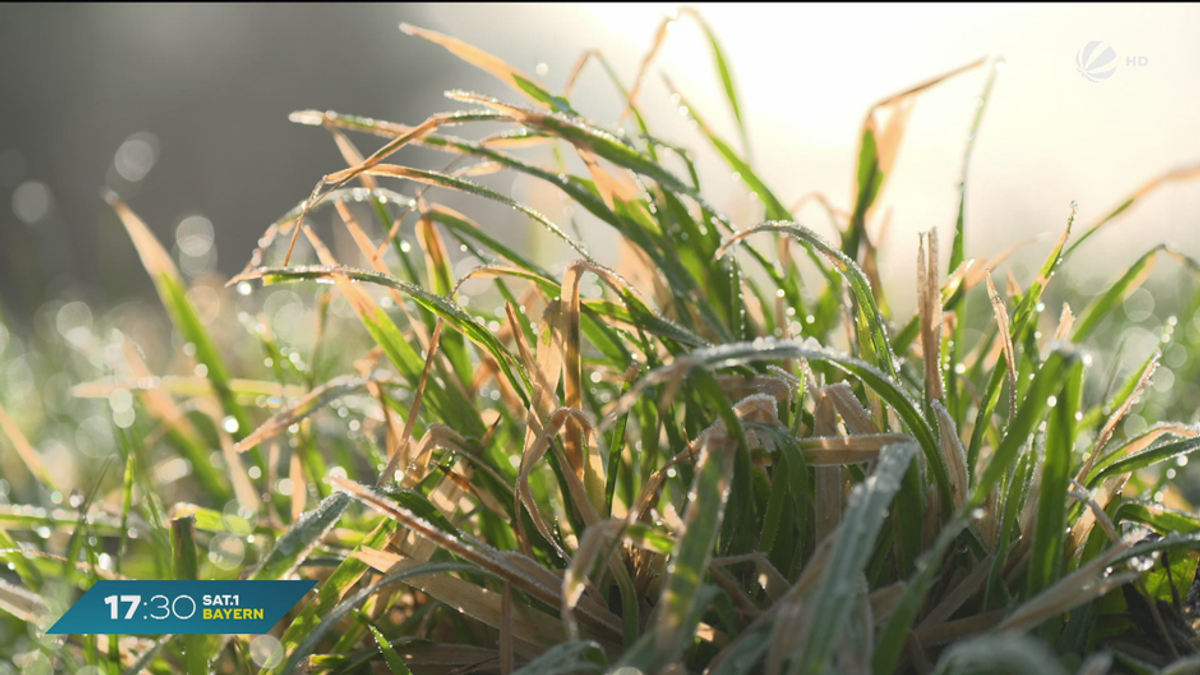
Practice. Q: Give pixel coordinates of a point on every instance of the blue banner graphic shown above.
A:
(160, 607)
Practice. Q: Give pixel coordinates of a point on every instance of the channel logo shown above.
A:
(1096, 61)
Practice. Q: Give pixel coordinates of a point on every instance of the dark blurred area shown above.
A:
(182, 110)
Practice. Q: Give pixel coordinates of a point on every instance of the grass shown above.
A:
(730, 457)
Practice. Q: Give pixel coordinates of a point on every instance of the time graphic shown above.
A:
(159, 607)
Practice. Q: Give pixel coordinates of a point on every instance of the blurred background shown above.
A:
(183, 110)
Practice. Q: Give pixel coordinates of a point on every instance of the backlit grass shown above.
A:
(729, 455)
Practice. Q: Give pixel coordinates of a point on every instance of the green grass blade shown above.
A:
(455, 316)
(577, 657)
(173, 294)
(1109, 301)
(335, 615)
(1046, 559)
(703, 516)
(186, 565)
(855, 539)
(853, 275)
(1143, 459)
(1029, 415)
(395, 663)
(301, 538)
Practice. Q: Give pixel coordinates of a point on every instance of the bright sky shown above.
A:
(808, 74)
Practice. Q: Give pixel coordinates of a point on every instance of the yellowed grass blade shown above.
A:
(1066, 321)
(929, 303)
(660, 38)
(1010, 356)
(341, 178)
(25, 450)
(856, 418)
(1173, 176)
(26, 605)
(154, 257)
(1110, 426)
(569, 336)
(351, 154)
(829, 451)
(478, 58)
(495, 562)
(1081, 586)
(956, 598)
(299, 486)
(290, 415)
(526, 623)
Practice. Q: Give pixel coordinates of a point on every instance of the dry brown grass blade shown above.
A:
(243, 489)
(610, 186)
(299, 486)
(1077, 588)
(533, 454)
(25, 450)
(569, 336)
(577, 69)
(392, 429)
(26, 605)
(959, 628)
(184, 386)
(826, 451)
(953, 454)
(829, 488)
(900, 106)
(1066, 322)
(1010, 355)
(154, 257)
(340, 178)
(1175, 175)
(660, 38)
(445, 497)
(156, 400)
(478, 58)
(290, 415)
(365, 245)
(400, 452)
(770, 578)
(856, 418)
(374, 256)
(506, 630)
(956, 598)
(820, 198)
(1081, 493)
(929, 303)
(437, 436)
(524, 624)
(434, 247)
(884, 600)
(351, 154)
(1110, 426)
(738, 387)
(500, 564)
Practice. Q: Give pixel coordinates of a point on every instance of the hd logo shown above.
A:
(1096, 61)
